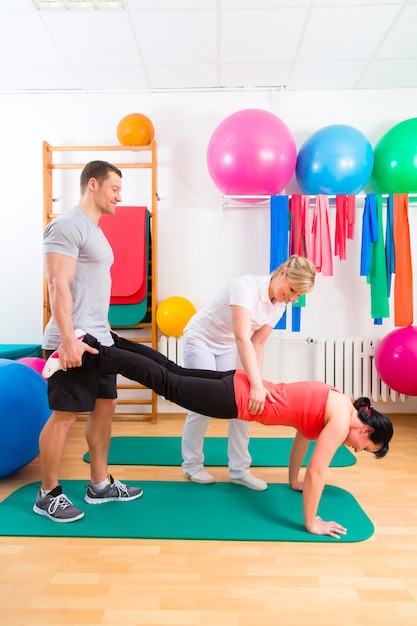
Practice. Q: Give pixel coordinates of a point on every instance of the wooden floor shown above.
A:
(84, 582)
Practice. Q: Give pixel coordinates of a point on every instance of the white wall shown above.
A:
(201, 242)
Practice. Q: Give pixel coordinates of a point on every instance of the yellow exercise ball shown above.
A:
(135, 129)
(173, 314)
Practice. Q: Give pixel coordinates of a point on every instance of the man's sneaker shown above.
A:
(115, 491)
(53, 364)
(57, 506)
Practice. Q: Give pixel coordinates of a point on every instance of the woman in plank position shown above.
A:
(316, 410)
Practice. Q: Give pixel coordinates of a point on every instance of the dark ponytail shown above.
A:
(382, 429)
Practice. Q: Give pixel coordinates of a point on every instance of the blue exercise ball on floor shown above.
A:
(24, 411)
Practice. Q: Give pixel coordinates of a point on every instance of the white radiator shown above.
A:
(172, 347)
(285, 360)
(346, 363)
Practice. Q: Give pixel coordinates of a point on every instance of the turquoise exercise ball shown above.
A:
(395, 159)
(24, 411)
(337, 159)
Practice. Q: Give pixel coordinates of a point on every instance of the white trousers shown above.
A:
(197, 354)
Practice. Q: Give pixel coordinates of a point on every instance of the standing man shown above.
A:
(77, 260)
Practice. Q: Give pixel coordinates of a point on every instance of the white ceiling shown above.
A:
(156, 45)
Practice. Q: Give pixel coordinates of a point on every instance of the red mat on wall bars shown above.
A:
(126, 233)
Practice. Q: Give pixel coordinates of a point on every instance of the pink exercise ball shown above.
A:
(252, 152)
(396, 360)
(34, 363)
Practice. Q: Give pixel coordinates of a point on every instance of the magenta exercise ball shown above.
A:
(395, 167)
(337, 159)
(34, 363)
(251, 152)
(396, 360)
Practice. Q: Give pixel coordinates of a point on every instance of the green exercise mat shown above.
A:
(265, 452)
(185, 510)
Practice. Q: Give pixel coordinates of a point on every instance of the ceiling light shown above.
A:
(78, 4)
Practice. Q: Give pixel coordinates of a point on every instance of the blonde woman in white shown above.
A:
(229, 333)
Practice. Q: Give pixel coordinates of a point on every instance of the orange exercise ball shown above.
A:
(135, 129)
(173, 315)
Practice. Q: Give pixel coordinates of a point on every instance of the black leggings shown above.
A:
(206, 392)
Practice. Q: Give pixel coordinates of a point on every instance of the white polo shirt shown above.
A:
(213, 323)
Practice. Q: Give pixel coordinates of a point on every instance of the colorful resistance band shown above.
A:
(300, 244)
(345, 224)
(378, 273)
(369, 233)
(300, 233)
(389, 241)
(403, 285)
(321, 245)
(279, 239)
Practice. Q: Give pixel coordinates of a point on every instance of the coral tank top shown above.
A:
(301, 404)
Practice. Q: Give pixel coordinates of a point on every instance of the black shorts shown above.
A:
(77, 389)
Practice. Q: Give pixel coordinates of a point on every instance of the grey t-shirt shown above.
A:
(75, 235)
